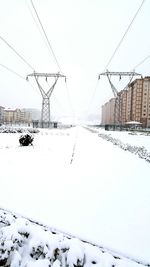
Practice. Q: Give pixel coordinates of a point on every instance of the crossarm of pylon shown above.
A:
(118, 73)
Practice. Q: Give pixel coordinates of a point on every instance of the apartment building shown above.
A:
(103, 113)
(122, 106)
(16, 116)
(112, 104)
(1, 115)
(132, 104)
(145, 112)
(8, 116)
(137, 100)
(108, 112)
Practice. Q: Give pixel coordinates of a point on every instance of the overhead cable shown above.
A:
(17, 74)
(12, 71)
(37, 25)
(50, 46)
(141, 62)
(118, 46)
(127, 30)
(14, 50)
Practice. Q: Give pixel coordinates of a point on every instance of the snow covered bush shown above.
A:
(76, 256)
(140, 151)
(26, 140)
(11, 129)
(33, 130)
(25, 243)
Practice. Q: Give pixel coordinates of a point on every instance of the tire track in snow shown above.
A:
(74, 147)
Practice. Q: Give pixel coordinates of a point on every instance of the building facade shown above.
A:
(145, 112)
(16, 116)
(132, 104)
(108, 112)
(123, 104)
(136, 100)
(1, 115)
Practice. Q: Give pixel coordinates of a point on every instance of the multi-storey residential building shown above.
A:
(107, 115)
(112, 103)
(136, 103)
(8, 116)
(129, 104)
(103, 113)
(1, 115)
(108, 110)
(16, 116)
(145, 112)
(35, 114)
(132, 104)
(122, 106)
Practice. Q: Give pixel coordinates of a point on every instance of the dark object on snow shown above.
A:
(26, 140)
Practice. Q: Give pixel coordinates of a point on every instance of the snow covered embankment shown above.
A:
(140, 151)
(28, 244)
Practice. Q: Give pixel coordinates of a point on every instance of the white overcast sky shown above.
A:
(83, 35)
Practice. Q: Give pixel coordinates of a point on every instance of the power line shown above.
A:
(12, 71)
(141, 62)
(46, 36)
(118, 46)
(14, 50)
(128, 28)
(17, 74)
(37, 25)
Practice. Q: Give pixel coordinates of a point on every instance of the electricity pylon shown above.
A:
(116, 94)
(45, 112)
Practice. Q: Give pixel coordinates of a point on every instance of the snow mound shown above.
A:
(28, 244)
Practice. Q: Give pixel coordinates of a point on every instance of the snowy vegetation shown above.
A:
(26, 140)
(28, 244)
(140, 151)
(8, 129)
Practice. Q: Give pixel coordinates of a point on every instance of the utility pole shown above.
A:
(45, 112)
(117, 120)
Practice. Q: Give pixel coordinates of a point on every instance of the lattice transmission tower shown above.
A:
(45, 111)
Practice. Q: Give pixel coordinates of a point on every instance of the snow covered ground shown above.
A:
(75, 181)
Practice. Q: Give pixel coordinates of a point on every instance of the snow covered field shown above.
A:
(77, 182)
